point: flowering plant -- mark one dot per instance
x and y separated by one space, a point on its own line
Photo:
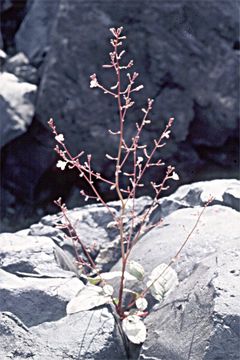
98 289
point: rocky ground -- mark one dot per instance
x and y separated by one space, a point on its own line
187 53
199 320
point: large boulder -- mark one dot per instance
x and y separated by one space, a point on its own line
88 335
32 38
187 64
37 299
203 312
16 106
17 342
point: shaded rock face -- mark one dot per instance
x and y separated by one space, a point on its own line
198 320
12 13
33 35
191 76
187 56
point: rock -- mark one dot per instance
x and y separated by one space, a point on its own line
36 299
12 14
27 172
91 223
33 36
202 313
187 64
183 59
19 66
199 319
87 335
16 106
22 254
17 342
225 192
3 55
232 197
90 335
205 242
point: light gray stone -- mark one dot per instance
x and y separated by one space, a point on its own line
17 342
19 65
87 335
29 255
225 192
203 312
36 300
16 107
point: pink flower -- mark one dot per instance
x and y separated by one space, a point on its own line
93 82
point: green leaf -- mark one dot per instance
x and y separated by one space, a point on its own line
93 280
88 298
162 281
136 270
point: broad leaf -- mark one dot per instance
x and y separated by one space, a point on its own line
88 298
136 270
134 329
162 281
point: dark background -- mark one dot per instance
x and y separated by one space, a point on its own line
187 54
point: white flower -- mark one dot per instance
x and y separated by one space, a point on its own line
108 290
59 138
134 328
175 176
93 82
167 134
139 159
61 164
141 304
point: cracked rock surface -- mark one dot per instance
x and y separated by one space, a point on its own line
199 320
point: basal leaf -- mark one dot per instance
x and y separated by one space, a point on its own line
88 298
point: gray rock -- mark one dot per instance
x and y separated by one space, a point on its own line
198 320
26 179
188 65
36 300
6 5
16 107
33 36
225 192
208 240
91 223
17 342
3 55
29 255
19 66
203 313
87 335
